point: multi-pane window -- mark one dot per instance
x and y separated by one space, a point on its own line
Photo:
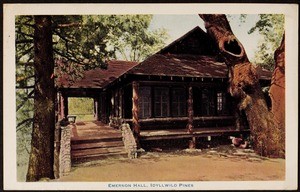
221 103
161 102
208 104
144 102
178 102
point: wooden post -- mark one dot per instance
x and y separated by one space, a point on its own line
65 107
58 99
192 143
135 110
96 108
190 110
121 112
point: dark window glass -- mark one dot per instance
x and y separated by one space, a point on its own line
116 104
144 102
197 101
222 103
179 102
208 104
161 102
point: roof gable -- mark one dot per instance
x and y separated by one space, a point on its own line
195 42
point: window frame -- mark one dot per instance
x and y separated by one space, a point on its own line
176 105
142 102
161 102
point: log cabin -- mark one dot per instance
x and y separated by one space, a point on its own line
178 92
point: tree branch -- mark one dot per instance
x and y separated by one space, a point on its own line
218 28
24 41
25 87
26 51
25 100
66 25
23 122
24 34
69 58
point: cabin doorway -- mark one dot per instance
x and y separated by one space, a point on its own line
83 108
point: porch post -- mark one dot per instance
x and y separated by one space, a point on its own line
135 109
58 98
64 106
190 110
96 108
192 143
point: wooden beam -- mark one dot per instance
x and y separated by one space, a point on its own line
63 106
192 142
96 108
121 107
190 110
66 106
58 98
135 110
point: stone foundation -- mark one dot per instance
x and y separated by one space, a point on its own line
65 151
129 141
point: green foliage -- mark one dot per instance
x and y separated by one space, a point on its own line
24 90
83 108
271 28
130 38
81 105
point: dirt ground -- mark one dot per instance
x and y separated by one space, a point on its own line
224 163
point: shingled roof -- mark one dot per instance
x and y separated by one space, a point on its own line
185 66
180 65
98 78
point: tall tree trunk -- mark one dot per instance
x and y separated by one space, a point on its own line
277 89
42 144
245 88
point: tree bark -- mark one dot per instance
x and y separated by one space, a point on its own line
245 88
277 89
42 144
135 112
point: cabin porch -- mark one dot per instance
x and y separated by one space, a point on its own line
146 135
91 140
94 139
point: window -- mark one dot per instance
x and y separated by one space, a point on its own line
208 104
161 102
178 102
197 101
145 102
221 103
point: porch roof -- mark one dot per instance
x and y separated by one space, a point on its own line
186 66
98 78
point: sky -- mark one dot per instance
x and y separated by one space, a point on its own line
178 25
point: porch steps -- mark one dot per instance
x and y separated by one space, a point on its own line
97 147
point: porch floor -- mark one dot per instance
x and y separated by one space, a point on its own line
90 130
93 140
182 133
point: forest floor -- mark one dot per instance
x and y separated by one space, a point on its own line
222 163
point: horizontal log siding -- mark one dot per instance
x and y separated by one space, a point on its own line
181 122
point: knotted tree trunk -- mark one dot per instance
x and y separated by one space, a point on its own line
267 134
